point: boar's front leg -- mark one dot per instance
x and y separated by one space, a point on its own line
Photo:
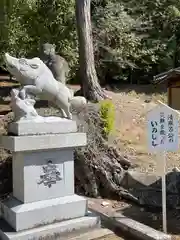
29 89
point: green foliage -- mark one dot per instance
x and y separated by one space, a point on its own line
107 114
120 50
159 29
136 38
116 46
132 39
34 22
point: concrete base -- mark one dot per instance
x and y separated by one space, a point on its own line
34 179
30 215
43 142
50 232
42 125
91 234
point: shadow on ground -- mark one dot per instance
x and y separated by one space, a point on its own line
153 218
150 198
147 89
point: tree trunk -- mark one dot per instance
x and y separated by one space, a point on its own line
4 22
89 81
100 168
177 51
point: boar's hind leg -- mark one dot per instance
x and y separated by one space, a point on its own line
66 111
63 113
64 108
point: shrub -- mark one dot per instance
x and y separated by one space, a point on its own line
116 46
107 114
27 24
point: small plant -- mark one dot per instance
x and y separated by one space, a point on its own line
107 114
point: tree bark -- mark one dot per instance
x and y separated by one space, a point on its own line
89 81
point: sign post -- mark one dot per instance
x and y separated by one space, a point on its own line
164 214
163 137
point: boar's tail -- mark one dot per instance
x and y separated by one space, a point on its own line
78 103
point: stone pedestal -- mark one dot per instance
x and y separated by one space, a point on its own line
43 179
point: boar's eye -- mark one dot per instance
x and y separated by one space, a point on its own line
22 61
34 66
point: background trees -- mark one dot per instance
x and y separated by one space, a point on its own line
132 40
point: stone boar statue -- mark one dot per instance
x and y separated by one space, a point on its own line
37 79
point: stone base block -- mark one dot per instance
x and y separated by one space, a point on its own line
34 179
30 215
42 125
53 231
42 142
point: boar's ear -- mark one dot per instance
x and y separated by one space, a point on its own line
34 66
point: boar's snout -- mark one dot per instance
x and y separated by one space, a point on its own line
10 61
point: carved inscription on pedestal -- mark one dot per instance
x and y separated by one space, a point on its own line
51 174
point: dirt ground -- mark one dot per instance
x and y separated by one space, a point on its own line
132 106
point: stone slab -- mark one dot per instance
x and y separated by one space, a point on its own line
132 228
30 215
91 234
42 125
134 179
52 231
43 175
137 229
42 142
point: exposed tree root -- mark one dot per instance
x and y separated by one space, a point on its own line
99 167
